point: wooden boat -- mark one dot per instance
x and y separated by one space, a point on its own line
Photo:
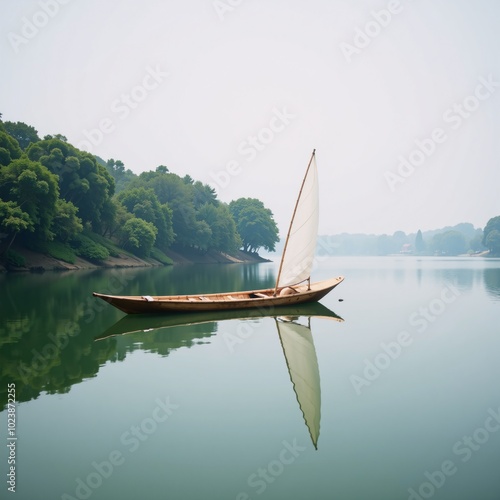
293 285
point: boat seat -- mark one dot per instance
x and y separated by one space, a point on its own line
205 299
263 295
148 298
230 297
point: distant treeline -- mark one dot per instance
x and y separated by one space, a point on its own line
456 240
64 202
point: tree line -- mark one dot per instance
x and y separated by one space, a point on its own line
460 239
59 200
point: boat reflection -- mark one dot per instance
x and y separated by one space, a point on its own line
147 322
294 331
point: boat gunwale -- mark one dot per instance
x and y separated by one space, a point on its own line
244 295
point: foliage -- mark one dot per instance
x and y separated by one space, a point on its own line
255 224
15 259
117 170
82 180
491 241
50 191
113 249
449 243
139 235
24 134
223 234
476 243
13 219
35 189
170 189
89 249
9 149
194 223
67 225
56 249
420 245
143 204
158 255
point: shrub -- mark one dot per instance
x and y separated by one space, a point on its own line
57 250
89 249
15 259
158 255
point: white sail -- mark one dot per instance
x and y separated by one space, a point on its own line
300 355
300 246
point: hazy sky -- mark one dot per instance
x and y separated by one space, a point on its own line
400 98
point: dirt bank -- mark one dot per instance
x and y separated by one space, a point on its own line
40 262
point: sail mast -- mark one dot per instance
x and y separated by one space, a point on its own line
291 222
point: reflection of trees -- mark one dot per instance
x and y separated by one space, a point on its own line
48 329
464 278
197 278
46 343
164 340
49 322
492 282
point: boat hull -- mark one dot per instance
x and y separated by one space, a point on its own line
252 299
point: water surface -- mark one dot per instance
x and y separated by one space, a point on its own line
409 405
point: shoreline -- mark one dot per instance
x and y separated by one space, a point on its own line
38 262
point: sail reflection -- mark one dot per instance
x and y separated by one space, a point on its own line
140 332
300 355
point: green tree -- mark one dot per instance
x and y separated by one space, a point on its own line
492 225
66 224
450 243
223 234
9 149
82 180
476 243
170 189
24 134
143 203
255 224
203 194
116 169
13 221
115 216
420 245
139 236
34 189
493 241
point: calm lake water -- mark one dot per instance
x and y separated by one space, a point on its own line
398 389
